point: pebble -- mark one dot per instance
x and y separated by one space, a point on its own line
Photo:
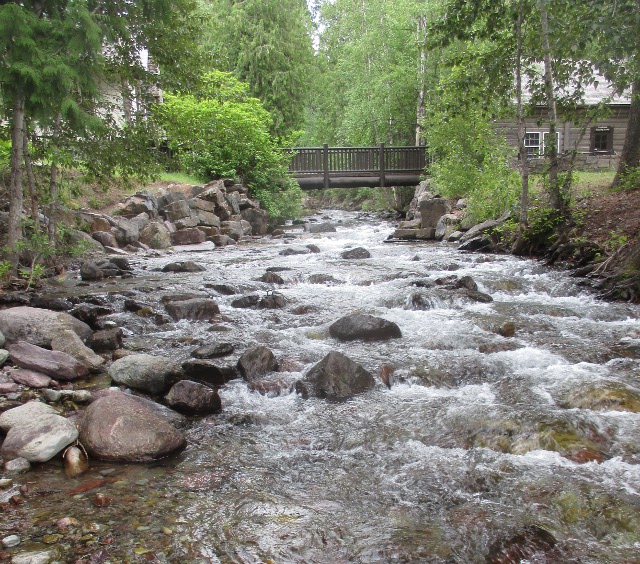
5 483
11 541
40 557
51 395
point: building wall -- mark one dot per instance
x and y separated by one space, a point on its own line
571 136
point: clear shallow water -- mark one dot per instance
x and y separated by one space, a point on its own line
482 443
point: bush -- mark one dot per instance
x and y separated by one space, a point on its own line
472 161
223 132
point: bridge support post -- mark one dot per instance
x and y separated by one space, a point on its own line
325 165
382 171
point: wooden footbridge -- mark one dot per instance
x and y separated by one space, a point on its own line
319 168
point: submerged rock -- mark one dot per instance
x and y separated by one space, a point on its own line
119 428
364 327
336 377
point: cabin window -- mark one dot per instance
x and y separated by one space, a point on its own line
532 144
602 139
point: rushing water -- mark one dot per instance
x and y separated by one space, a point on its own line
484 448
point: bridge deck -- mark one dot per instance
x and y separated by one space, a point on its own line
355 167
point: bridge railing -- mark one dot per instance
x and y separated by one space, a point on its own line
352 167
314 161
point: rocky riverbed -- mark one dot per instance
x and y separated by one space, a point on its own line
320 396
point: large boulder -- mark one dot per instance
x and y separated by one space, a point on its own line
193 398
359 326
140 202
256 362
259 220
126 231
24 413
105 238
197 309
156 236
116 427
191 236
58 364
145 372
335 377
38 326
431 210
39 439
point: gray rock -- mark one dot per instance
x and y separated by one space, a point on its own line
89 271
320 228
51 396
31 411
17 466
323 279
4 356
118 428
191 236
177 210
214 350
148 373
67 341
107 340
233 229
52 363
222 240
2 339
106 239
126 231
193 398
259 219
290 251
446 226
477 230
141 202
364 327
431 210
357 253
256 362
186 266
482 243
271 278
197 309
39 440
335 377
156 236
246 301
205 371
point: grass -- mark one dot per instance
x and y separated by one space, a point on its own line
180 177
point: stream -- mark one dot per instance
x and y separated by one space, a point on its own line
485 448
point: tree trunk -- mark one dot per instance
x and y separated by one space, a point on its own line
15 184
630 157
31 181
53 186
126 101
556 198
422 30
522 150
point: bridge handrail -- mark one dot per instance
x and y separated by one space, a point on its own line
326 160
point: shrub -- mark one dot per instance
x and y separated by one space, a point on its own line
223 132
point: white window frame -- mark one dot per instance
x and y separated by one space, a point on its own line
532 145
